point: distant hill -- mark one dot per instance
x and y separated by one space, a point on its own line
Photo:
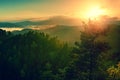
9 25
57 20
65 33
66 29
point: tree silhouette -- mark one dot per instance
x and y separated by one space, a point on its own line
85 54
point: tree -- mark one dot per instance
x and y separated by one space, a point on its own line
32 56
114 72
113 39
85 63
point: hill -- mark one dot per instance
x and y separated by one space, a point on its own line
56 20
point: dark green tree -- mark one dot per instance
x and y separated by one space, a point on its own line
32 56
85 57
113 39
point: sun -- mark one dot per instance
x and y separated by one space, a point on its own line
95 12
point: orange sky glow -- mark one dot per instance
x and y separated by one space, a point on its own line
72 8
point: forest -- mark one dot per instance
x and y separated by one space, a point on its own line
36 55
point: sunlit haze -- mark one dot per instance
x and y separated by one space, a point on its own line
95 12
21 9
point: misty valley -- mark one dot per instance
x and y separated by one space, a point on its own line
60 48
59 39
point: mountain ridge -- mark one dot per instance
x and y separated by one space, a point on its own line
56 20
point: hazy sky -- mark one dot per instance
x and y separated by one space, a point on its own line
15 9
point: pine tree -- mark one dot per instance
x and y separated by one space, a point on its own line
85 54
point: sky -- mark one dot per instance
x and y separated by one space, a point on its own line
18 9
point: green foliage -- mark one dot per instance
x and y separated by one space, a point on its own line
85 64
4 35
32 56
114 72
113 39
37 56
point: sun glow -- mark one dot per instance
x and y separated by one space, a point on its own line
95 12
93 18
